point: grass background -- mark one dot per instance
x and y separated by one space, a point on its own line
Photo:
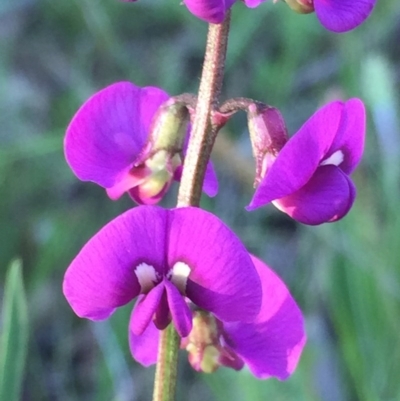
345 276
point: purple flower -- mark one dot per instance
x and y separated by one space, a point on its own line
335 15
309 179
165 258
212 11
271 345
108 142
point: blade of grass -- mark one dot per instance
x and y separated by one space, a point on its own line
14 338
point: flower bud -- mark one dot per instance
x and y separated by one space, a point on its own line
301 6
268 135
169 126
205 345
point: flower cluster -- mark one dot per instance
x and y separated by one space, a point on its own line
184 266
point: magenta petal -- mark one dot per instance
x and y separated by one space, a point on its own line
162 317
253 3
135 194
212 11
271 346
144 348
109 130
181 314
145 309
327 197
300 157
102 275
222 279
350 137
343 15
210 185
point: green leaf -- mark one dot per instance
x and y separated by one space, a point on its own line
14 336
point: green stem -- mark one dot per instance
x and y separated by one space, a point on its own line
203 133
198 153
165 380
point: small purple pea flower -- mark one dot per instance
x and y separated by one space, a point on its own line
335 15
212 11
270 346
112 141
166 258
309 177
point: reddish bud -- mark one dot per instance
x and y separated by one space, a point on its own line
206 347
268 135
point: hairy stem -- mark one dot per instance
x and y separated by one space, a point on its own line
165 380
203 133
198 153
238 103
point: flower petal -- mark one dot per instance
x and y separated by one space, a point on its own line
327 197
222 279
210 185
136 194
109 130
343 15
350 137
144 348
102 276
212 11
145 309
253 3
181 314
300 157
271 346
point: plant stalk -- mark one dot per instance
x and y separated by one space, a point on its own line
203 133
167 363
198 153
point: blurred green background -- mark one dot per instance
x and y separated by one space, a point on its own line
345 276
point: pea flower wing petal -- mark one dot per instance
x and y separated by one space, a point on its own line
210 185
350 137
327 197
145 309
271 346
180 312
144 348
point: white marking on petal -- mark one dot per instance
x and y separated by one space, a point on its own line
147 277
179 274
335 159
278 206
